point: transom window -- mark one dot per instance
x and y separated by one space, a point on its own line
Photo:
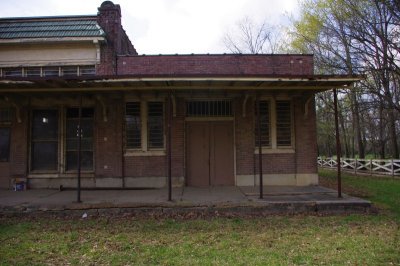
210 108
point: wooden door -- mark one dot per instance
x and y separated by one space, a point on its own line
209 154
221 154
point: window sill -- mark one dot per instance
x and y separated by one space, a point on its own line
275 151
136 153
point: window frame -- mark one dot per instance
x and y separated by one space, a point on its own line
7 160
148 127
7 124
81 70
291 123
65 139
141 126
274 148
269 102
144 149
59 140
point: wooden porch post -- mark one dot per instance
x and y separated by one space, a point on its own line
259 145
338 148
169 146
79 134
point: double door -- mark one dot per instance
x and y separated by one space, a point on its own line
209 154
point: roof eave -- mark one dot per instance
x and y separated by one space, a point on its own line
94 39
314 83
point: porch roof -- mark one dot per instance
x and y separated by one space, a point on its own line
314 83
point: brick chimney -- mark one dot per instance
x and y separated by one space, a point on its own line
118 43
109 19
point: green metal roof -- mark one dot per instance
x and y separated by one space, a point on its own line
43 28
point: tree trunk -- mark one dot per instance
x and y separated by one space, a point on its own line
393 135
344 135
381 132
357 127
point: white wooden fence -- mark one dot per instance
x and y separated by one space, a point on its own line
366 166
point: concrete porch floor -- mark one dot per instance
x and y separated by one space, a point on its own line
277 199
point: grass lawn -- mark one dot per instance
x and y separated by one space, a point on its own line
276 240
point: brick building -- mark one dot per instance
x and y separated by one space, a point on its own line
59 72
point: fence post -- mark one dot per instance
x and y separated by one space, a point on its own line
355 166
392 167
370 166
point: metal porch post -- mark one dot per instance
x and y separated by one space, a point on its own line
79 133
259 146
338 148
169 146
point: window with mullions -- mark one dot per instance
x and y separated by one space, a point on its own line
51 71
155 125
133 126
69 71
5 133
12 72
87 71
72 139
33 72
44 150
5 116
265 124
283 123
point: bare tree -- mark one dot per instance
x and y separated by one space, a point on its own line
252 38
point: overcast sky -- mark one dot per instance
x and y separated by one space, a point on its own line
166 26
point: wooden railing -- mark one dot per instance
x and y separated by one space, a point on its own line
366 166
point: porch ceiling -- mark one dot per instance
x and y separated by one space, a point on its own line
314 83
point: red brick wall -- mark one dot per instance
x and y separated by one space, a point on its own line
178 143
244 137
214 65
306 137
108 136
303 161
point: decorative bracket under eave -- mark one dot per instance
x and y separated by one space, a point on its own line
173 100
306 105
17 108
246 97
103 106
